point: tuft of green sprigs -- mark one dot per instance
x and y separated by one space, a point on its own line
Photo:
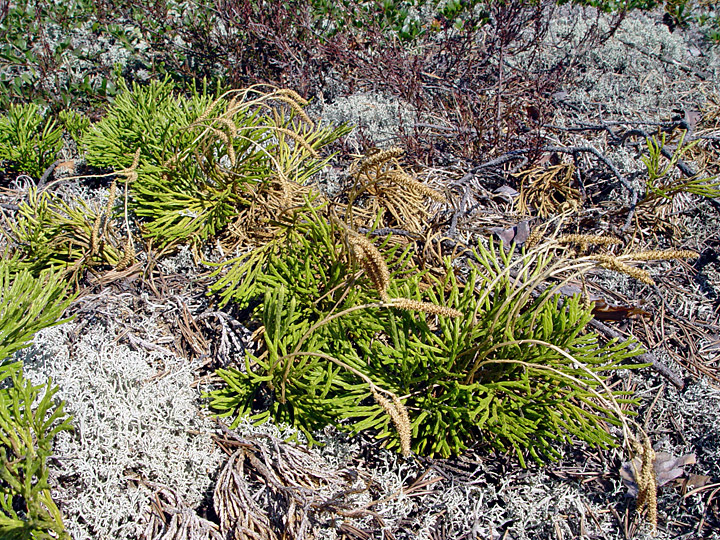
29 420
514 370
30 417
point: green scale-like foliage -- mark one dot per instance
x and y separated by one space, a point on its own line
29 140
27 304
150 118
511 397
49 232
29 420
29 416
202 158
496 373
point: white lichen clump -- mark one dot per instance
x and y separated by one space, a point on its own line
643 71
136 417
379 116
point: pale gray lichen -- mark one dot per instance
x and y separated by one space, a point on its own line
136 416
642 72
378 115
180 262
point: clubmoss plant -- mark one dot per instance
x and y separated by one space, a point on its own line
49 232
150 118
27 304
488 360
204 160
29 417
661 184
29 420
75 123
29 141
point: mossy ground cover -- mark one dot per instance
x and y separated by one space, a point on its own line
493 288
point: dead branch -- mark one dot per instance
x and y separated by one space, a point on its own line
649 358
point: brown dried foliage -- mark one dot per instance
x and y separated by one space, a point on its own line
382 187
172 519
459 78
299 488
547 191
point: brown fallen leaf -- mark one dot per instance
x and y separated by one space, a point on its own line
692 117
518 234
667 468
694 481
603 311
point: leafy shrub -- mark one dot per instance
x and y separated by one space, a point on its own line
29 141
408 19
144 39
39 68
611 6
411 19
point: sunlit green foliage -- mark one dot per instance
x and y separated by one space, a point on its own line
513 370
29 420
202 157
29 140
49 232
27 304
661 182
29 417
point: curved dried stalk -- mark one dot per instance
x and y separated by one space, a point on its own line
609 403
